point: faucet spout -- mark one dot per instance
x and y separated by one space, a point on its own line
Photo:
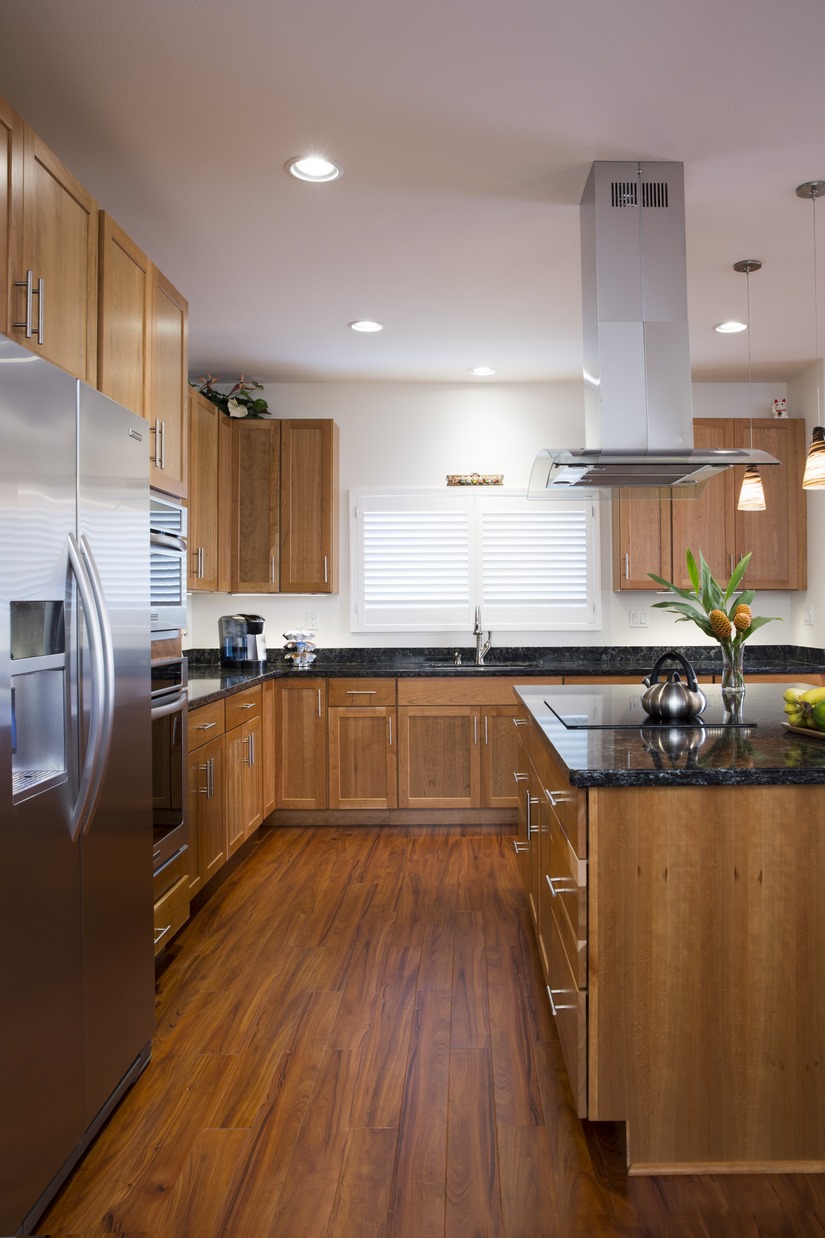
482 648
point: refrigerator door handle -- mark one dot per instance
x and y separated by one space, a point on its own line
83 808
108 669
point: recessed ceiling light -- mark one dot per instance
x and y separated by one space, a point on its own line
314 168
481 371
365 324
729 328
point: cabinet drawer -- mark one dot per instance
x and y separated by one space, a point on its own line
569 1005
171 912
206 723
342 692
243 706
475 690
568 804
564 895
170 873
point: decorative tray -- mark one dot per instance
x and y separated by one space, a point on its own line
808 732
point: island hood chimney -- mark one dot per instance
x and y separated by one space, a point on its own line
638 406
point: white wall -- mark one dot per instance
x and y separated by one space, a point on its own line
413 435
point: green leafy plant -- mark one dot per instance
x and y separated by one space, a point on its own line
240 401
720 611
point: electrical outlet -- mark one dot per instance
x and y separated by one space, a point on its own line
638 618
312 618
808 615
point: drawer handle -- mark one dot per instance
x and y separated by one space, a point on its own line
361 691
205 726
161 933
551 881
519 722
520 846
520 777
252 706
556 797
556 1008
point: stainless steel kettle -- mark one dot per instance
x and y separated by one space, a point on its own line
671 698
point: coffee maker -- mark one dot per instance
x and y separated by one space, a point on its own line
242 640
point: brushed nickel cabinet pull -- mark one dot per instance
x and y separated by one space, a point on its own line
161 933
520 846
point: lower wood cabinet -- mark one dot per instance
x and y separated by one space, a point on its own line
439 763
362 736
171 895
301 722
243 800
207 828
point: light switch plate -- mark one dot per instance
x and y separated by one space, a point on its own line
808 615
638 618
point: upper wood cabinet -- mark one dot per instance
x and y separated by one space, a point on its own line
8 120
654 536
52 254
256 471
169 388
124 335
204 426
309 506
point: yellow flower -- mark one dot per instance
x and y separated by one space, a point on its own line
721 624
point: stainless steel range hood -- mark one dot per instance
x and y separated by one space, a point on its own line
638 406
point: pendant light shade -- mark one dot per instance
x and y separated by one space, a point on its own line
814 476
752 495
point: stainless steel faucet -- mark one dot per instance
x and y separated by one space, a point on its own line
481 649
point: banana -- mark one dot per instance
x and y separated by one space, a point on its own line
813 695
796 719
793 694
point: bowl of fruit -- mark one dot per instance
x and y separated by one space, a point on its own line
805 711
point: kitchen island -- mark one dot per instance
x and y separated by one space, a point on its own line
676 879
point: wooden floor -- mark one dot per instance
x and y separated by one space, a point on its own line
353 1039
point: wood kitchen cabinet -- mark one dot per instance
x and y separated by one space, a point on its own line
169 387
124 339
362 734
301 723
207 825
309 506
255 512
243 802
439 762
52 261
269 740
8 123
498 756
202 545
654 536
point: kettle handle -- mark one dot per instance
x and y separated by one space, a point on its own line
692 681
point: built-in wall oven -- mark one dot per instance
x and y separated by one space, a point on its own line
167 563
169 716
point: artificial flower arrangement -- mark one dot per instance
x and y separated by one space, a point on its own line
240 401
720 612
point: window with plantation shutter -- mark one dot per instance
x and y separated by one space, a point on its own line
424 560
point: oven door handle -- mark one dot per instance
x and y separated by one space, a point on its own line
168 541
165 708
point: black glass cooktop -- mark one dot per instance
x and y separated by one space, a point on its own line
587 710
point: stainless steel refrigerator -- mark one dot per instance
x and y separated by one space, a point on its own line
76 955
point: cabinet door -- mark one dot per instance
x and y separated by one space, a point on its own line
225 520
170 389
439 762
777 536
641 537
212 845
202 545
301 728
309 506
198 787
243 799
256 467
253 781
9 133
124 319
362 764
499 756
706 523
58 244
269 756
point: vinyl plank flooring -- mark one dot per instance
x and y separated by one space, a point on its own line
354 1039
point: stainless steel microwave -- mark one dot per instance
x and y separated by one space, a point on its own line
167 563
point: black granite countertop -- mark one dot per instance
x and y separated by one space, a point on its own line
208 681
652 754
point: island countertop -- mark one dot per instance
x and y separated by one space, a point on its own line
653 754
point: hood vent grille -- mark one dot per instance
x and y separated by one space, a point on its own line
626 193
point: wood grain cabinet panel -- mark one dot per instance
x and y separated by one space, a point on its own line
170 389
207 825
204 494
309 506
778 536
10 125
302 743
124 344
498 756
362 757
439 761
269 742
256 471
54 239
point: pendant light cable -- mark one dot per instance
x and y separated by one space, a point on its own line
814 478
752 494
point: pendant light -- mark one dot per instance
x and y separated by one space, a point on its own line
751 496
814 477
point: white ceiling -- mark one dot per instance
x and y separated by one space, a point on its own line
466 129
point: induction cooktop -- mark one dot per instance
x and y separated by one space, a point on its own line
584 710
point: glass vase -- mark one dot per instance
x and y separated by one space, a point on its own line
733 677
